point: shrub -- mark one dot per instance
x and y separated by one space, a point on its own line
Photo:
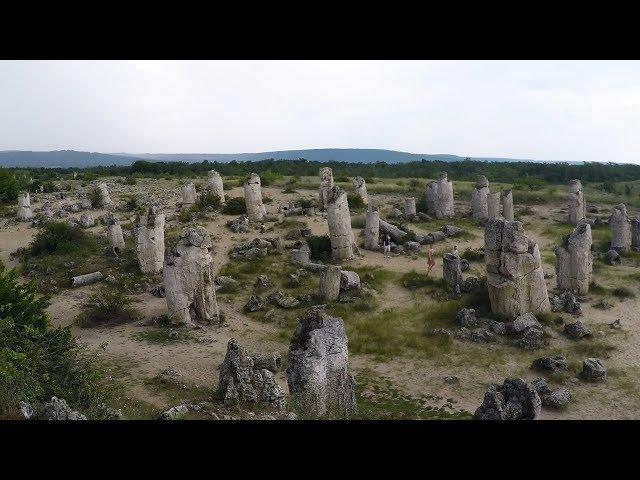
320 246
58 237
355 201
623 292
342 178
234 206
269 178
473 255
209 200
107 306
9 187
306 202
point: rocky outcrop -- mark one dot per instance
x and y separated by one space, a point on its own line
479 199
189 281
440 197
506 200
24 207
253 198
513 400
620 229
574 262
515 279
576 207
149 229
339 220
372 230
360 189
593 370
320 383
215 184
326 183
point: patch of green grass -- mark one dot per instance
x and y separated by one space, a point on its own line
592 348
234 206
413 280
374 276
623 292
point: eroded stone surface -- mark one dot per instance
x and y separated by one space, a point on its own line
339 220
576 207
620 229
24 207
326 183
574 262
150 240
506 200
253 198
372 230
440 197
479 199
513 400
215 184
360 189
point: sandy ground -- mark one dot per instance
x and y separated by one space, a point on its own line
198 361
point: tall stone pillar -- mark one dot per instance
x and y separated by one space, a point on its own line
339 221
320 383
253 198
330 283
451 270
576 208
574 262
189 195
620 229
114 233
635 234
440 197
515 279
479 199
150 240
326 183
24 207
103 191
360 189
215 184
493 206
372 230
506 199
410 207
188 279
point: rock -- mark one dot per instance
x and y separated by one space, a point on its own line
557 398
107 413
470 284
525 321
87 221
531 339
616 324
171 377
593 370
550 364
452 272
26 410
253 198
513 400
339 221
255 303
576 330
439 195
174 413
271 362
360 189
451 380
149 229
467 318
476 335
262 281
451 230
409 207
541 386
215 184
496 327
612 257
58 409
330 280
227 283
464 265
574 262
566 302
372 230
412 246
157 291
506 200
239 225
576 210
349 280
326 183
283 301
620 226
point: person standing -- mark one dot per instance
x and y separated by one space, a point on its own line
386 243
431 261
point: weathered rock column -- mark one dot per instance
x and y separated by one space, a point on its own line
114 233
440 197
189 195
320 383
410 207
506 199
451 270
215 184
515 279
188 279
620 229
150 240
326 183
576 208
635 233
372 230
103 192
479 199
253 198
493 206
574 262
339 221
24 207
330 283
360 189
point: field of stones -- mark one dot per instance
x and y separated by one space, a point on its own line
234 298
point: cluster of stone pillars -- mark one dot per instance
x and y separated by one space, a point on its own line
439 195
486 205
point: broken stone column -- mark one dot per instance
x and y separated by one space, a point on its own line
88 279
574 262
506 199
326 183
452 270
103 192
320 383
188 279
372 230
635 234
410 206
330 283
493 206
479 199
515 280
150 240
440 197
215 184
576 207
253 198
114 233
360 189
339 221
189 195
24 207
620 229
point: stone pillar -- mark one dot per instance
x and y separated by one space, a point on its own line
506 199
635 234
189 195
515 280
410 207
574 261
301 255
372 230
620 229
326 183
440 197
339 221
320 383
188 279
105 199
360 189
215 184
253 198
24 207
493 206
576 208
479 199
451 270
150 240
116 239
330 283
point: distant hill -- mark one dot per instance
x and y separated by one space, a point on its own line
72 158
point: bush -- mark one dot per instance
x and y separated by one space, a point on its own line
107 306
473 255
58 237
269 178
320 246
234 206
209 200
9 187
355 201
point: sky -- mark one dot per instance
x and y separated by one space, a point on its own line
542 110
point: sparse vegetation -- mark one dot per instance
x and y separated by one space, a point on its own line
107 306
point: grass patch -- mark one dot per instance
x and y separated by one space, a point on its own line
164 336
473 254
107 306
592 348
623 292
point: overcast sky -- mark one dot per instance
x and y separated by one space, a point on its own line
545 110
